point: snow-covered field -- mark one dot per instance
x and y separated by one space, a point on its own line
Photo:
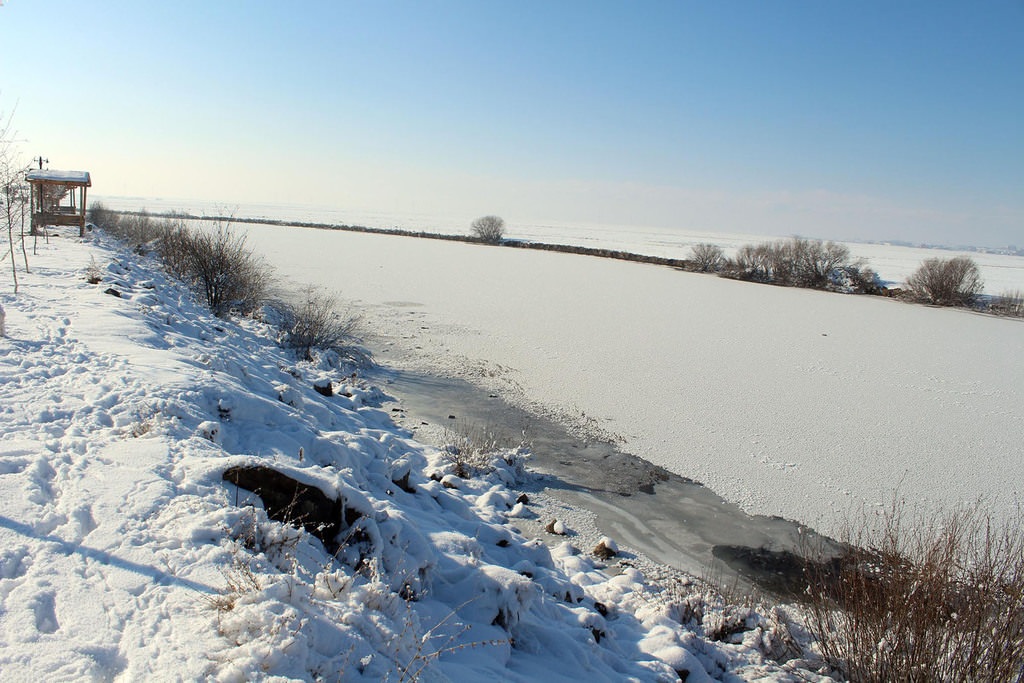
124 556
790 402
1002 273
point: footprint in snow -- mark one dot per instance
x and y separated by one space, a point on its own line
12 562
44 608
80 523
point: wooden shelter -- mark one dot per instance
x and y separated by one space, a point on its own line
54 198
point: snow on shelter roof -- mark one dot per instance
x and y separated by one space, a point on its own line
65 177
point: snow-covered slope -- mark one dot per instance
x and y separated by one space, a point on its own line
125 556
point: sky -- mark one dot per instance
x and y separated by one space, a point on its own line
866 120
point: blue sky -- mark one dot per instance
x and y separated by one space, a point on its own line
900 120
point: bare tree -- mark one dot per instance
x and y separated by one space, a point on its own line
13 192
707 258
490 229
952 282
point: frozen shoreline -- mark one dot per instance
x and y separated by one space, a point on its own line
598 490
893 262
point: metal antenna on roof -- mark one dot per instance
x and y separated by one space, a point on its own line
41 161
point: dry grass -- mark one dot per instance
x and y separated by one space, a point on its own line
937 598
1009 303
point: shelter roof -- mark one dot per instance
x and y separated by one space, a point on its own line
77 178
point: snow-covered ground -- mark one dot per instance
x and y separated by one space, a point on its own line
125 556
789 402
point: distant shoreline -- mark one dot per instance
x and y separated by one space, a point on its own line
682 264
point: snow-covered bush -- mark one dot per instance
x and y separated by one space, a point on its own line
855 278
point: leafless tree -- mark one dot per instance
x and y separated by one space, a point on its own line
946 282
490 229
707 258
13 192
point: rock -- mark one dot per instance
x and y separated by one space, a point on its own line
294 503
112 292
523 498
288 395
209 430
605 549
521 511
601 608
403 483
323 387
224 408
555 527
450 481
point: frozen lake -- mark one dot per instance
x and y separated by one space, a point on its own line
786 402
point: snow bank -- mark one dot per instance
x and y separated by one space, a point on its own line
125 556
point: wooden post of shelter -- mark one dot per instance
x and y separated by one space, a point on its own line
49 188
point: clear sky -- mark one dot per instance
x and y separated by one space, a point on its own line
866 119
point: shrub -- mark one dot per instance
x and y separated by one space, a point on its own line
707 257
1009 303
754 262
952 282
136 229
490 229
93 273
925 599
218 264
812 263
102 216
856 278
800 262
315 323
